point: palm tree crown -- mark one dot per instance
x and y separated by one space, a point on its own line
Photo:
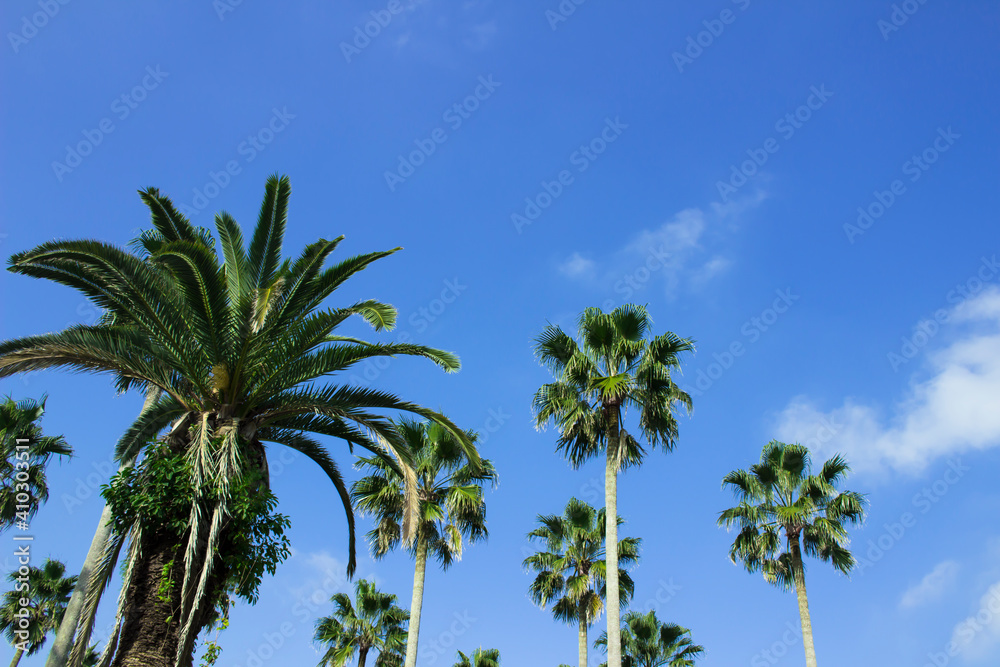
572 570
780 495
47 594
22 471
374 622
452 506
646 642
481 657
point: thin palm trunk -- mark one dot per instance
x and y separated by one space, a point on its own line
415 604
362 656
582 639
800 592
17 657
66 633
63 644
611 550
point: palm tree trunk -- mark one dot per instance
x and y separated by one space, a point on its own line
582 639
63 643
800 592
59 655
611 549
417 602
17 657
362 656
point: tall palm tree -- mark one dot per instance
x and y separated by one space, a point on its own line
780 496
22 464
646 642
481 657
572 570
452 507
613 367
237 342
374 622
46 591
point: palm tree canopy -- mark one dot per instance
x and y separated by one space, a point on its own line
239 347
481 657
372 621
780 495
449 489
47 591
613 367
22 469
571 570
646 642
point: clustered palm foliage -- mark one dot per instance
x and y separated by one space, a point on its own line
647 642
451 506
613 367
23 487
372 622
236 351
236 340
572 569
46 590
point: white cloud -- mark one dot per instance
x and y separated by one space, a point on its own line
576 266
978 634
951 411
932 586
670 253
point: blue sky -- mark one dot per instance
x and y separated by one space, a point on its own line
807 191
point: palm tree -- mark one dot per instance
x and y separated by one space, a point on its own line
646 642
46 591
24 453
373 623
612 368
236 341
480 658
781 495
451 505
572 571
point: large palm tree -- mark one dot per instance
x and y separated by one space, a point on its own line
236 341
781 498
46 591
481 657
24 454
572 569
374 622
647 642
451 509
613 367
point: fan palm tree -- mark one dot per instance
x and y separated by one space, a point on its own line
571 571
612 368
489 657
373 622
646 642
24 454
236 342
451 509
46 591
780 495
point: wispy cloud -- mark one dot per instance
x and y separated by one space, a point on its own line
951 411
686 249
932 586
979 634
